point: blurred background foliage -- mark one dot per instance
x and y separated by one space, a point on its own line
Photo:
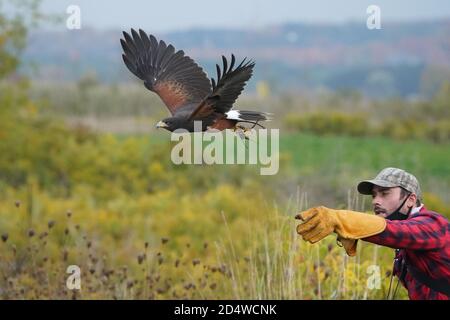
85 179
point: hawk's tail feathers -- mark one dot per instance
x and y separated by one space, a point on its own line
248 116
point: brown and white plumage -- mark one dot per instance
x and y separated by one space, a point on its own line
184 87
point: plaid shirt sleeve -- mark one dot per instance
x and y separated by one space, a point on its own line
424 231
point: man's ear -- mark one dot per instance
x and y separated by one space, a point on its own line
411 202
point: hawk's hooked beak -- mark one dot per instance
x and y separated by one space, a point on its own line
161 124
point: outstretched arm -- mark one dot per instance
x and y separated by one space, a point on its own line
350 226
425 231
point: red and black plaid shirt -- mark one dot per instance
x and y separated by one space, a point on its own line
424 238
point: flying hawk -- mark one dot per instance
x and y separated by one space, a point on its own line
184 87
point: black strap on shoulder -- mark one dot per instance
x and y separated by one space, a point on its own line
442 286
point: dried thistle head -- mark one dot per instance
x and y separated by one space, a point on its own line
4 237
330 247
141 258
31 233
43 235
189 286
161 290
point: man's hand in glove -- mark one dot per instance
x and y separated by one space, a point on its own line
319 222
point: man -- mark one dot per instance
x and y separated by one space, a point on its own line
401 221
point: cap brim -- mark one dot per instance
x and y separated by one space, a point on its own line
366 186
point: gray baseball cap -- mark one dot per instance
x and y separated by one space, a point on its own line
389 178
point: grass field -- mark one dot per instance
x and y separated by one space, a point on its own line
338 163
139 226
343 161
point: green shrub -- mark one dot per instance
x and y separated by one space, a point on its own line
339 123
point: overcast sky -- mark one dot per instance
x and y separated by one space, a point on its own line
166 15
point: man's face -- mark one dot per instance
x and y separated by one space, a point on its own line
386 200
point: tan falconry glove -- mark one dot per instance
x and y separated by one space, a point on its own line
350 226
349 245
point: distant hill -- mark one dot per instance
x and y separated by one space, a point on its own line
395 60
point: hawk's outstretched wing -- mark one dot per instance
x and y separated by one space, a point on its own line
176 78
229 86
